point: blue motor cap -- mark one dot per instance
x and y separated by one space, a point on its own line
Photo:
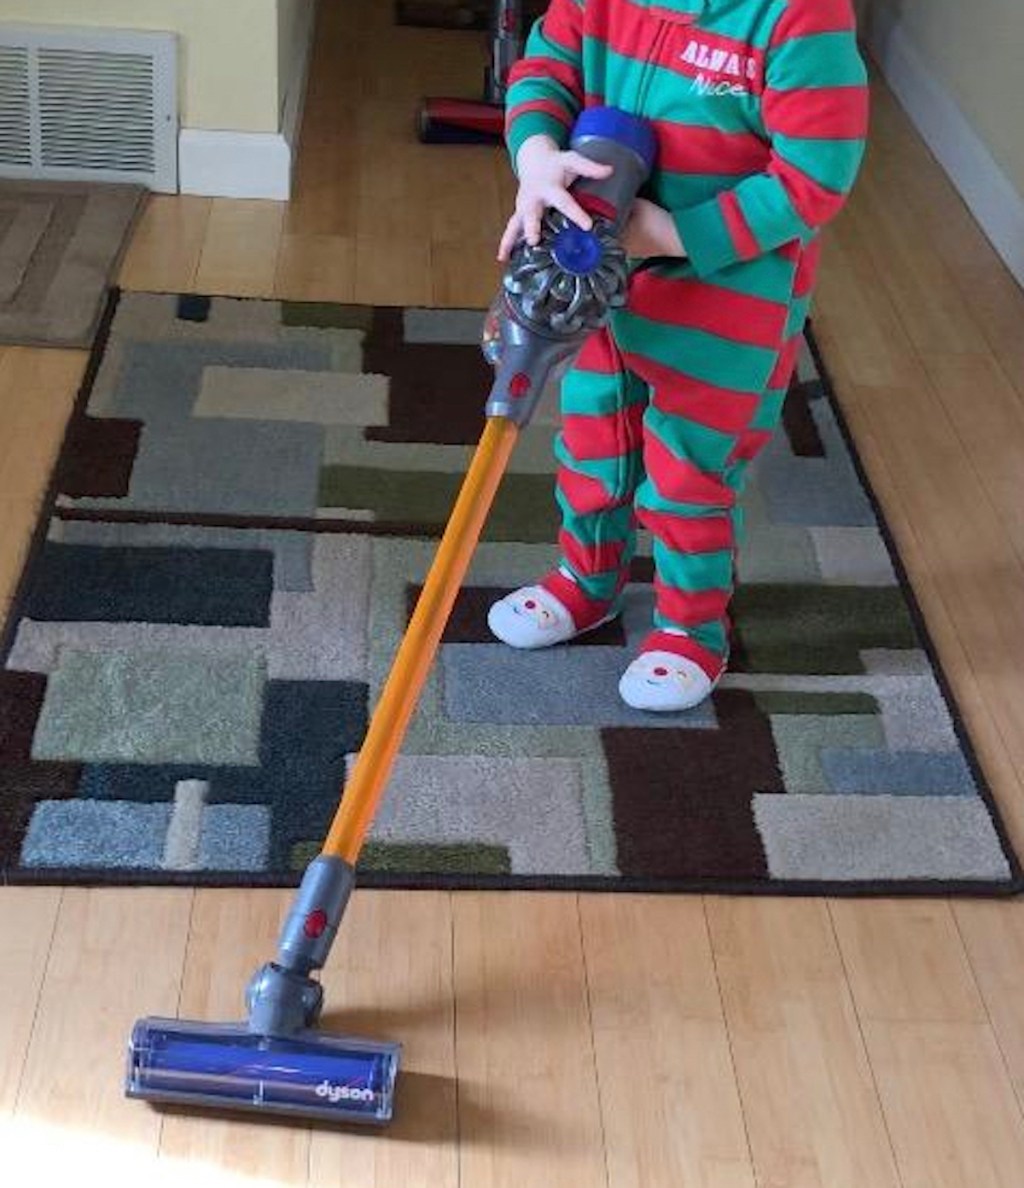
614 124
577 251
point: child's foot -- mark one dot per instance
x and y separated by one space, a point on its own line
533 617
663 681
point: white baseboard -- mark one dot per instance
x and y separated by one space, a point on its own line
234 164
250 164
990 195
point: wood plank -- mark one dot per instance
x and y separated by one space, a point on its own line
316 268
669 1100
987 415
325 186
390 977
413 63
464 276
164 251
28 916
230 936
974 266
866 343
116 955
812 1114
528 1100
464 196
239 255
392 183
948 1104
928 303
37 392
393 271
17 523
993 934
906 961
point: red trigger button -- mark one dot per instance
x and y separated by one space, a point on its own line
519 385
315 924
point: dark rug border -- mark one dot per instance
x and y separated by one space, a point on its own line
902 888
76 876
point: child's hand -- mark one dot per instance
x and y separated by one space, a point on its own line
651 231
545 174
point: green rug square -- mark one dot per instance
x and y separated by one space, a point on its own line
152 707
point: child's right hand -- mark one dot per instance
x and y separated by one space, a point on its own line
545 175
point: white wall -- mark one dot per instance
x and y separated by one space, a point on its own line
974 49
955 66
241 78
229 50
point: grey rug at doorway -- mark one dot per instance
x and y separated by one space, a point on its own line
60 244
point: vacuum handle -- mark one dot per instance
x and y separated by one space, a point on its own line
624 141
557 292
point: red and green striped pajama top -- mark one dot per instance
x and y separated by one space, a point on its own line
760 109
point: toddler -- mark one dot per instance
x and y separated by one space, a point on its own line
760 108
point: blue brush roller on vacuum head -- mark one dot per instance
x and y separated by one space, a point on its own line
554 294
231 1067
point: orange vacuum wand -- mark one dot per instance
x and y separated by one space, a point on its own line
415 656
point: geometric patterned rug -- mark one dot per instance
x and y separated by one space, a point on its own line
246 504
60 242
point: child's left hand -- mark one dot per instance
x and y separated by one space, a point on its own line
650 231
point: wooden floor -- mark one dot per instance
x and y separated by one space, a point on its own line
577 1041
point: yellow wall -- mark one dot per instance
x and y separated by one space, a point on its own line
228 66
973 49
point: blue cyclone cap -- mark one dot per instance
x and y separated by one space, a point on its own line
614 124
577 251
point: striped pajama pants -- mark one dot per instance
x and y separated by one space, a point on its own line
662 414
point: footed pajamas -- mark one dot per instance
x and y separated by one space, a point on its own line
760 109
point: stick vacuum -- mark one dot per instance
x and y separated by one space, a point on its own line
553 295
479 121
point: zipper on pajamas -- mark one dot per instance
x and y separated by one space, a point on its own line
649 65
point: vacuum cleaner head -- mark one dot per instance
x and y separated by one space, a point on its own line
229 1066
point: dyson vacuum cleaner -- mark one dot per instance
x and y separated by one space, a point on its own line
552 297
479 121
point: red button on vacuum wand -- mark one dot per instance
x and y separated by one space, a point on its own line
315 923
519 385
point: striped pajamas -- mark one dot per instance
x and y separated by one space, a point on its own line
760 108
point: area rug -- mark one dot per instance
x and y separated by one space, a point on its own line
246 505
60 244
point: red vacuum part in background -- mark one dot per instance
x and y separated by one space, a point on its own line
479 121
